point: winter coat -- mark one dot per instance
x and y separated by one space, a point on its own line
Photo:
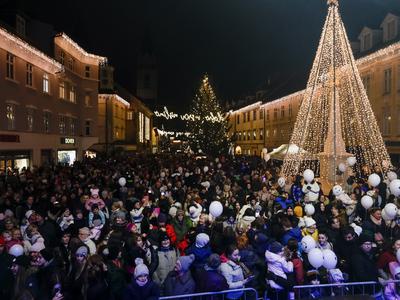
294 233
101 215
166 263
278 265
363 268
179 285
181 228
117 279
297 193
210 280
233 274
201 255
245 222
150 291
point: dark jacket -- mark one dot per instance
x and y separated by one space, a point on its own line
150 291
294 233
209 280
174 285
201 255
363 268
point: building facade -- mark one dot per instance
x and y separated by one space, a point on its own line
49 103
269 125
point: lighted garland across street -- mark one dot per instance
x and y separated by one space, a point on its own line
172 133
170 115
335 120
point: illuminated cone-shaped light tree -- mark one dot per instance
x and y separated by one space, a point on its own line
209 129
335 119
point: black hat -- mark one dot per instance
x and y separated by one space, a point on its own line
46 254
22 260
365 237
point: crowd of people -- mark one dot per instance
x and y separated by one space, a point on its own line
140 227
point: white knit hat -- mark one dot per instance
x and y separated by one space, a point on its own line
309 222
37 247
94 192
141 270
202 239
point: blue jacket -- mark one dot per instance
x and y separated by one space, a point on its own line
294 233
201 255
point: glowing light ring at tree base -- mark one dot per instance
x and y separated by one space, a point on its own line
169 115
334 78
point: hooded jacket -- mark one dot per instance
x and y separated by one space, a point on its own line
277 265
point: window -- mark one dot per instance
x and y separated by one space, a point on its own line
46 83
61 90
87 127
267 133
244 117
29 74
290 111
46 121
254 134
261 133
72 94
20 25
29 119
267 117
71 64
10 116
275 132
282 112
10 66
248 135
367 41
116 132
62 57
254 115
61 124
87 71
367 83
388 81
275 113
87 99
391 30
141 127
72 126
386 122
129 115
147 128
261 114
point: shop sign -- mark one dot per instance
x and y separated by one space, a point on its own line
67 141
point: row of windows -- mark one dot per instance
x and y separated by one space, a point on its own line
252 134
246 115
66 125
65 91
69 63
387 81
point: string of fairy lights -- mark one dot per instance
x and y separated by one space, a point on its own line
170 115
335 88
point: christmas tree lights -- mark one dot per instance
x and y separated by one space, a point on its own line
335 119
209 132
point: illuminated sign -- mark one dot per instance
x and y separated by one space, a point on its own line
69 141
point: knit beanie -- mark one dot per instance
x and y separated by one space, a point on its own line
309 222
186 262
364 237
37 247
47 254
162 218
202 240
275 247
141 270
214 261
82 250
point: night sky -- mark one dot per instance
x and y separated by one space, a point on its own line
239 43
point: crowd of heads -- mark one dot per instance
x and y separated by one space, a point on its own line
141 226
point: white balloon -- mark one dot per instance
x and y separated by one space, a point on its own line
342 167
308 243
390 210
205 169
216 209
205 184
281 181
391 175
308 175
398 255
187 174
337 190
122 181
385 216
394 187
316 258
374 180
16 250
219 166
351 161
367 201
309 209
330 259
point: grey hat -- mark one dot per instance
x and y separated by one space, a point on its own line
186 262
214 261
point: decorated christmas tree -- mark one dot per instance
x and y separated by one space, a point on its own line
209 129
335 120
